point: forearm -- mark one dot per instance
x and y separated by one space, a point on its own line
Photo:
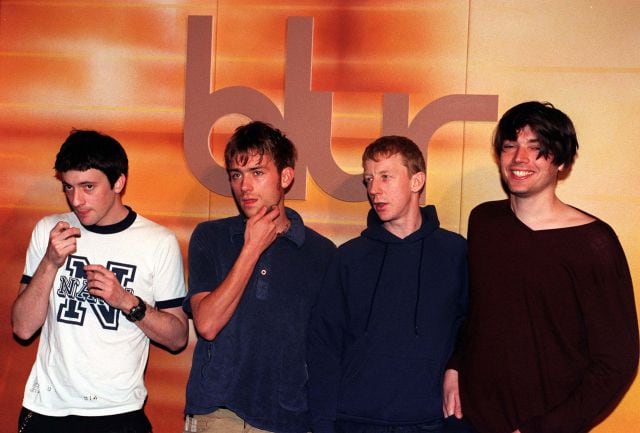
597 394
324 380
29 310
324 353
612 367
213 310
168 328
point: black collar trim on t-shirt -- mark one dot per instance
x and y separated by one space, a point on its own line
114 228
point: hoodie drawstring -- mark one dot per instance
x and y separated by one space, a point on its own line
375 289
415 311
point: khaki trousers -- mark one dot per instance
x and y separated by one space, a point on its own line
218 421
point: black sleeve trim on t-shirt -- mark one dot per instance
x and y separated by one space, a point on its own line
170 303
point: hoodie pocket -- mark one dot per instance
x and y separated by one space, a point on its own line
392 387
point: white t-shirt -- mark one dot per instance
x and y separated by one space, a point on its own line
91 359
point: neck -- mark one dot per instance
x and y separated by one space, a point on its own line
118 213
406 226
283 223
537 212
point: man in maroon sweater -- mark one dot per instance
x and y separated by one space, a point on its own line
551 342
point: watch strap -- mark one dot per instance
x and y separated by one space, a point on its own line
137 312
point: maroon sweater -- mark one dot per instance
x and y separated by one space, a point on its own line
551 343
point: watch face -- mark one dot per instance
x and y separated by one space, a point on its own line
137 312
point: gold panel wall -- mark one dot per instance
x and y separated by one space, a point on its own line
119 66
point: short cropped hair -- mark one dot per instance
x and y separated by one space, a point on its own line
389 145
260 138
86 149
555 131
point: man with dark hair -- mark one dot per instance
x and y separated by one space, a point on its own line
252 281
386 320
551 342
86 272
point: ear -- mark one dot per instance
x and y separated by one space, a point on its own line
286 177
561 167
118 186
417 181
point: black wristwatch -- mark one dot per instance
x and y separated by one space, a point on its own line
137 312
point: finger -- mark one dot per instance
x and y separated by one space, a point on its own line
95 268
447 406
67 234
61 240
64 227
273 212
60 226
93 279
458 407
257 216
96 292
94 275
71 232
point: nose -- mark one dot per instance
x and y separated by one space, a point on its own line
76 197
522 154
373 188
246 184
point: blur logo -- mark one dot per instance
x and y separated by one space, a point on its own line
307 115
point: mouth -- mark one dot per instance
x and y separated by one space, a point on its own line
521 174
248 201
379 206
82 212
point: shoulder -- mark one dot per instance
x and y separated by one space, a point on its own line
599 235
450 242
572 216
151 236
217 227
147 224
152 232
356 248
316 239
491 208
594 246
450 236
497 213
355 243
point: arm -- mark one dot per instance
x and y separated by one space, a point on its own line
452 404
30 307
213 310
606 299
169 327
166 327
324 351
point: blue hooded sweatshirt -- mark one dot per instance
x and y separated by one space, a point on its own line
384 325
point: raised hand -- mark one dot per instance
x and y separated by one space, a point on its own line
62 242
261 228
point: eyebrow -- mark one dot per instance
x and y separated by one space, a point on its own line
386 170
531 140
245 169
86 182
